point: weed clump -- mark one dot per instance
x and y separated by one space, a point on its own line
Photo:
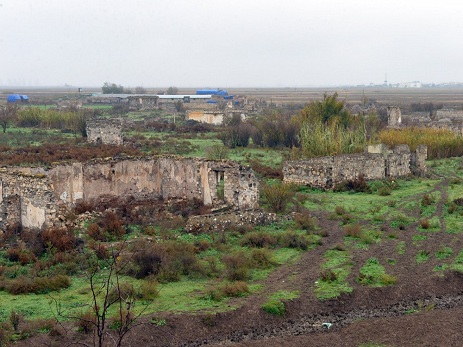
291 239
274 307
353 230
259 240
277 196
305 221
357 185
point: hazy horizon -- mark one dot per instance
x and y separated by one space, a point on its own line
244 44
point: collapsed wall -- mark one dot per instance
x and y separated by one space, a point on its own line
32 197
377 163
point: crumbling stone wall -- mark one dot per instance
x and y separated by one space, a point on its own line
105 130
33 197
26 199
143 102
221 221
449 114
166 177
377 163
394 116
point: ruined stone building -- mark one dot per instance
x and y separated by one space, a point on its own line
143 102
394 117
33 197
106 131
443 119
377 162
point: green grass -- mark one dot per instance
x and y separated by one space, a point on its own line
285 295
422 256
373 274
444 253
400 248
340 264
457 264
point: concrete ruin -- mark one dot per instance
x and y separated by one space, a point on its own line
34 197
106 131
378 162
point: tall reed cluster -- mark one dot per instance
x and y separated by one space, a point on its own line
442 143
321 139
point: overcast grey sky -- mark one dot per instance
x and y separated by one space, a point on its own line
239 43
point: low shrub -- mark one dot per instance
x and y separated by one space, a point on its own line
291 239
277 196
148 290
123 292
261 259
113 225
235 289
328 275
266 171
427 200
384 191
259 240
217 152
305 221
357 185
95 232
38 285
425 223
236 266
340 210
61 239
86 322
353 230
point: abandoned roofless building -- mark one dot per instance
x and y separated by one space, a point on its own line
33 197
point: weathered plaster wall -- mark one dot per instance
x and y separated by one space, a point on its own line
26 199
34 198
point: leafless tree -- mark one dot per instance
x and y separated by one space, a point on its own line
172 91
7 114
107 291
140 90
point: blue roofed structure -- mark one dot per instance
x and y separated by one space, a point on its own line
17 98
212 92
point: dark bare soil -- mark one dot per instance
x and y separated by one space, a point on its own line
424 308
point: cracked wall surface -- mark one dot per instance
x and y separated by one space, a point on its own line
32 197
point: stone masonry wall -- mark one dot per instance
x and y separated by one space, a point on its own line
33 197
450 114
105 131
219 222
26 199
394 116
326 172
166 177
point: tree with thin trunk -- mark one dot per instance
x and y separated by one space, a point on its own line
108 291
7 114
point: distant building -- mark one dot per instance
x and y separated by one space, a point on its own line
15 98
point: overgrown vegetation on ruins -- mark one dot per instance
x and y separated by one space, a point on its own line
358 237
